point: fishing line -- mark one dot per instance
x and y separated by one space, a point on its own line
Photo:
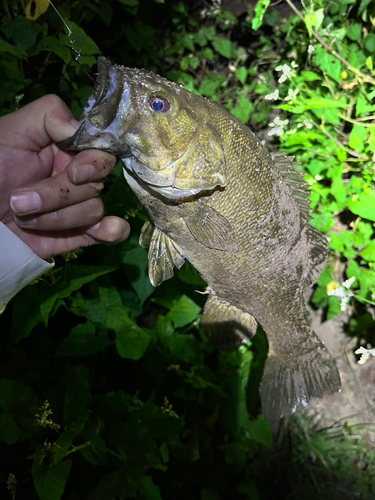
72 41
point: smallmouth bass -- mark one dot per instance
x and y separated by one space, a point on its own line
217 197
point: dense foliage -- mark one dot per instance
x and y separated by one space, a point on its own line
108 388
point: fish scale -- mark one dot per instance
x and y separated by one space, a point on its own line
217 197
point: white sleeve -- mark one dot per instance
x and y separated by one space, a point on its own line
19 265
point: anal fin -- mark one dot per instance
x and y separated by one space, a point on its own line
226 326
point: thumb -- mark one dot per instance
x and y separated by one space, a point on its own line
43 121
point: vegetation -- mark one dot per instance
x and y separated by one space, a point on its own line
108 388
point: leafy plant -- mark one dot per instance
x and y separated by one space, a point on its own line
110 385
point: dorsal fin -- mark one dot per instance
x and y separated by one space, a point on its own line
294 180
318 245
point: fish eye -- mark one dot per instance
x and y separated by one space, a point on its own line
159 104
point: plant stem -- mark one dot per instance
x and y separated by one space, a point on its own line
338 143
77 448
365 78
356 122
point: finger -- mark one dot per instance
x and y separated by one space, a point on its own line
82 214
51 194
90 165
110 230
46 244
42 121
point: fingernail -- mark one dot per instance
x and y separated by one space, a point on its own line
25 222
75 123
96 226
83 173
25 202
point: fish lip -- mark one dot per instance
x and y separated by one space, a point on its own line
100 89
101 134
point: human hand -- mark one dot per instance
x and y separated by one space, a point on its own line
49 197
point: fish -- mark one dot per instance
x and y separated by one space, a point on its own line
239 214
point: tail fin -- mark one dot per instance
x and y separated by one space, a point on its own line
290 380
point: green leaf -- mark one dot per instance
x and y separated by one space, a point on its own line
364 206
12 49
130 3
52 44
314 20
323 221
26 314
241 74
224 47
337 188
64 442
83 44
77 395
210 84
207 53
334 307
150 490
110 485
21 31
368 253
328 63
357 138
325 277
135 262
184 311
108 311
132 343
243 109
68 280
335 243
260 431
260 9
369 42
50 484
186 349
354 32
10 432
83 341
309 76
187 41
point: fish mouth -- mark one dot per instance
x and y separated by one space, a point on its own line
100 117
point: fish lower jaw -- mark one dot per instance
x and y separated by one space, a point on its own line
168 191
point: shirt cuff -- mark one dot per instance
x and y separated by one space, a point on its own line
19 265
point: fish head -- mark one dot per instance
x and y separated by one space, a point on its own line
163 134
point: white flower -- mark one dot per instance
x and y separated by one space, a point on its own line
292 94
310 49
365 354
344 293
286 72
273 97
294 64
348 283
277 126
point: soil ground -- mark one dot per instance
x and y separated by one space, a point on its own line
355 402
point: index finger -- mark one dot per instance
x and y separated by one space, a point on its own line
90 165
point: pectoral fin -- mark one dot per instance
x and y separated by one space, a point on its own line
146 234
226 326
209 227
163 254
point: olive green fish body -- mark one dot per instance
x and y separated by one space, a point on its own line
218 198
